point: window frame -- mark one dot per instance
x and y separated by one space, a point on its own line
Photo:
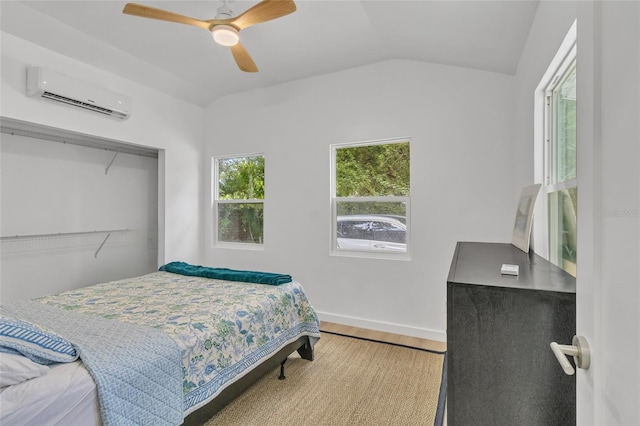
545 150
550 124
334 200
216 201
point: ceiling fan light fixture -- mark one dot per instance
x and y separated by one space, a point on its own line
225 35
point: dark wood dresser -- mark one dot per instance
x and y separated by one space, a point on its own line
501 370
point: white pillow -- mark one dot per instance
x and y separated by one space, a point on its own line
16 368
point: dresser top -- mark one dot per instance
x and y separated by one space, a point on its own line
480 263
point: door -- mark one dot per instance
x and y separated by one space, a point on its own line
608 280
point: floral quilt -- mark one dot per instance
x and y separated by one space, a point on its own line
223 328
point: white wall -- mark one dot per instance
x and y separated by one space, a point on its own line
460 123
158 120
52 188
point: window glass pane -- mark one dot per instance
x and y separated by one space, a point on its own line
565 128
563 207
371 226
240 222
373 170
241 178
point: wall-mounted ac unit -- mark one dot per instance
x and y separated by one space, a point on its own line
48 84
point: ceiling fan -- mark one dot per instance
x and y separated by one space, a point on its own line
224 27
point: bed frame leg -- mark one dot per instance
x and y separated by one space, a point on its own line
282 376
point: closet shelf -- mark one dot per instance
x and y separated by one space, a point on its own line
25 237
62 235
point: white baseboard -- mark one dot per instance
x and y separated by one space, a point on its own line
404 330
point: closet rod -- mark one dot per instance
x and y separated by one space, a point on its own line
58 235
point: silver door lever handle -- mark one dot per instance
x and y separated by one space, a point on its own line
579 350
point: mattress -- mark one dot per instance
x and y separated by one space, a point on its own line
224 329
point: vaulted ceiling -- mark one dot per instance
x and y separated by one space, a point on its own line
319 37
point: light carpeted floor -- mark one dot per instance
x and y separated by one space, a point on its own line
350 382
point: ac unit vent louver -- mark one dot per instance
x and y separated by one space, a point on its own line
47 84
80 104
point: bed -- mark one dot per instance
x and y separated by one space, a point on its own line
168 347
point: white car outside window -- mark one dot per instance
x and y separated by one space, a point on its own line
371 233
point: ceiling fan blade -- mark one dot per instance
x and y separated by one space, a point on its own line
243 59
264 11
162 15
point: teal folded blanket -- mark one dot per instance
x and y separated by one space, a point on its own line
269 278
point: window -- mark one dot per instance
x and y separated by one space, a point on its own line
238 206
560 187
370 199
